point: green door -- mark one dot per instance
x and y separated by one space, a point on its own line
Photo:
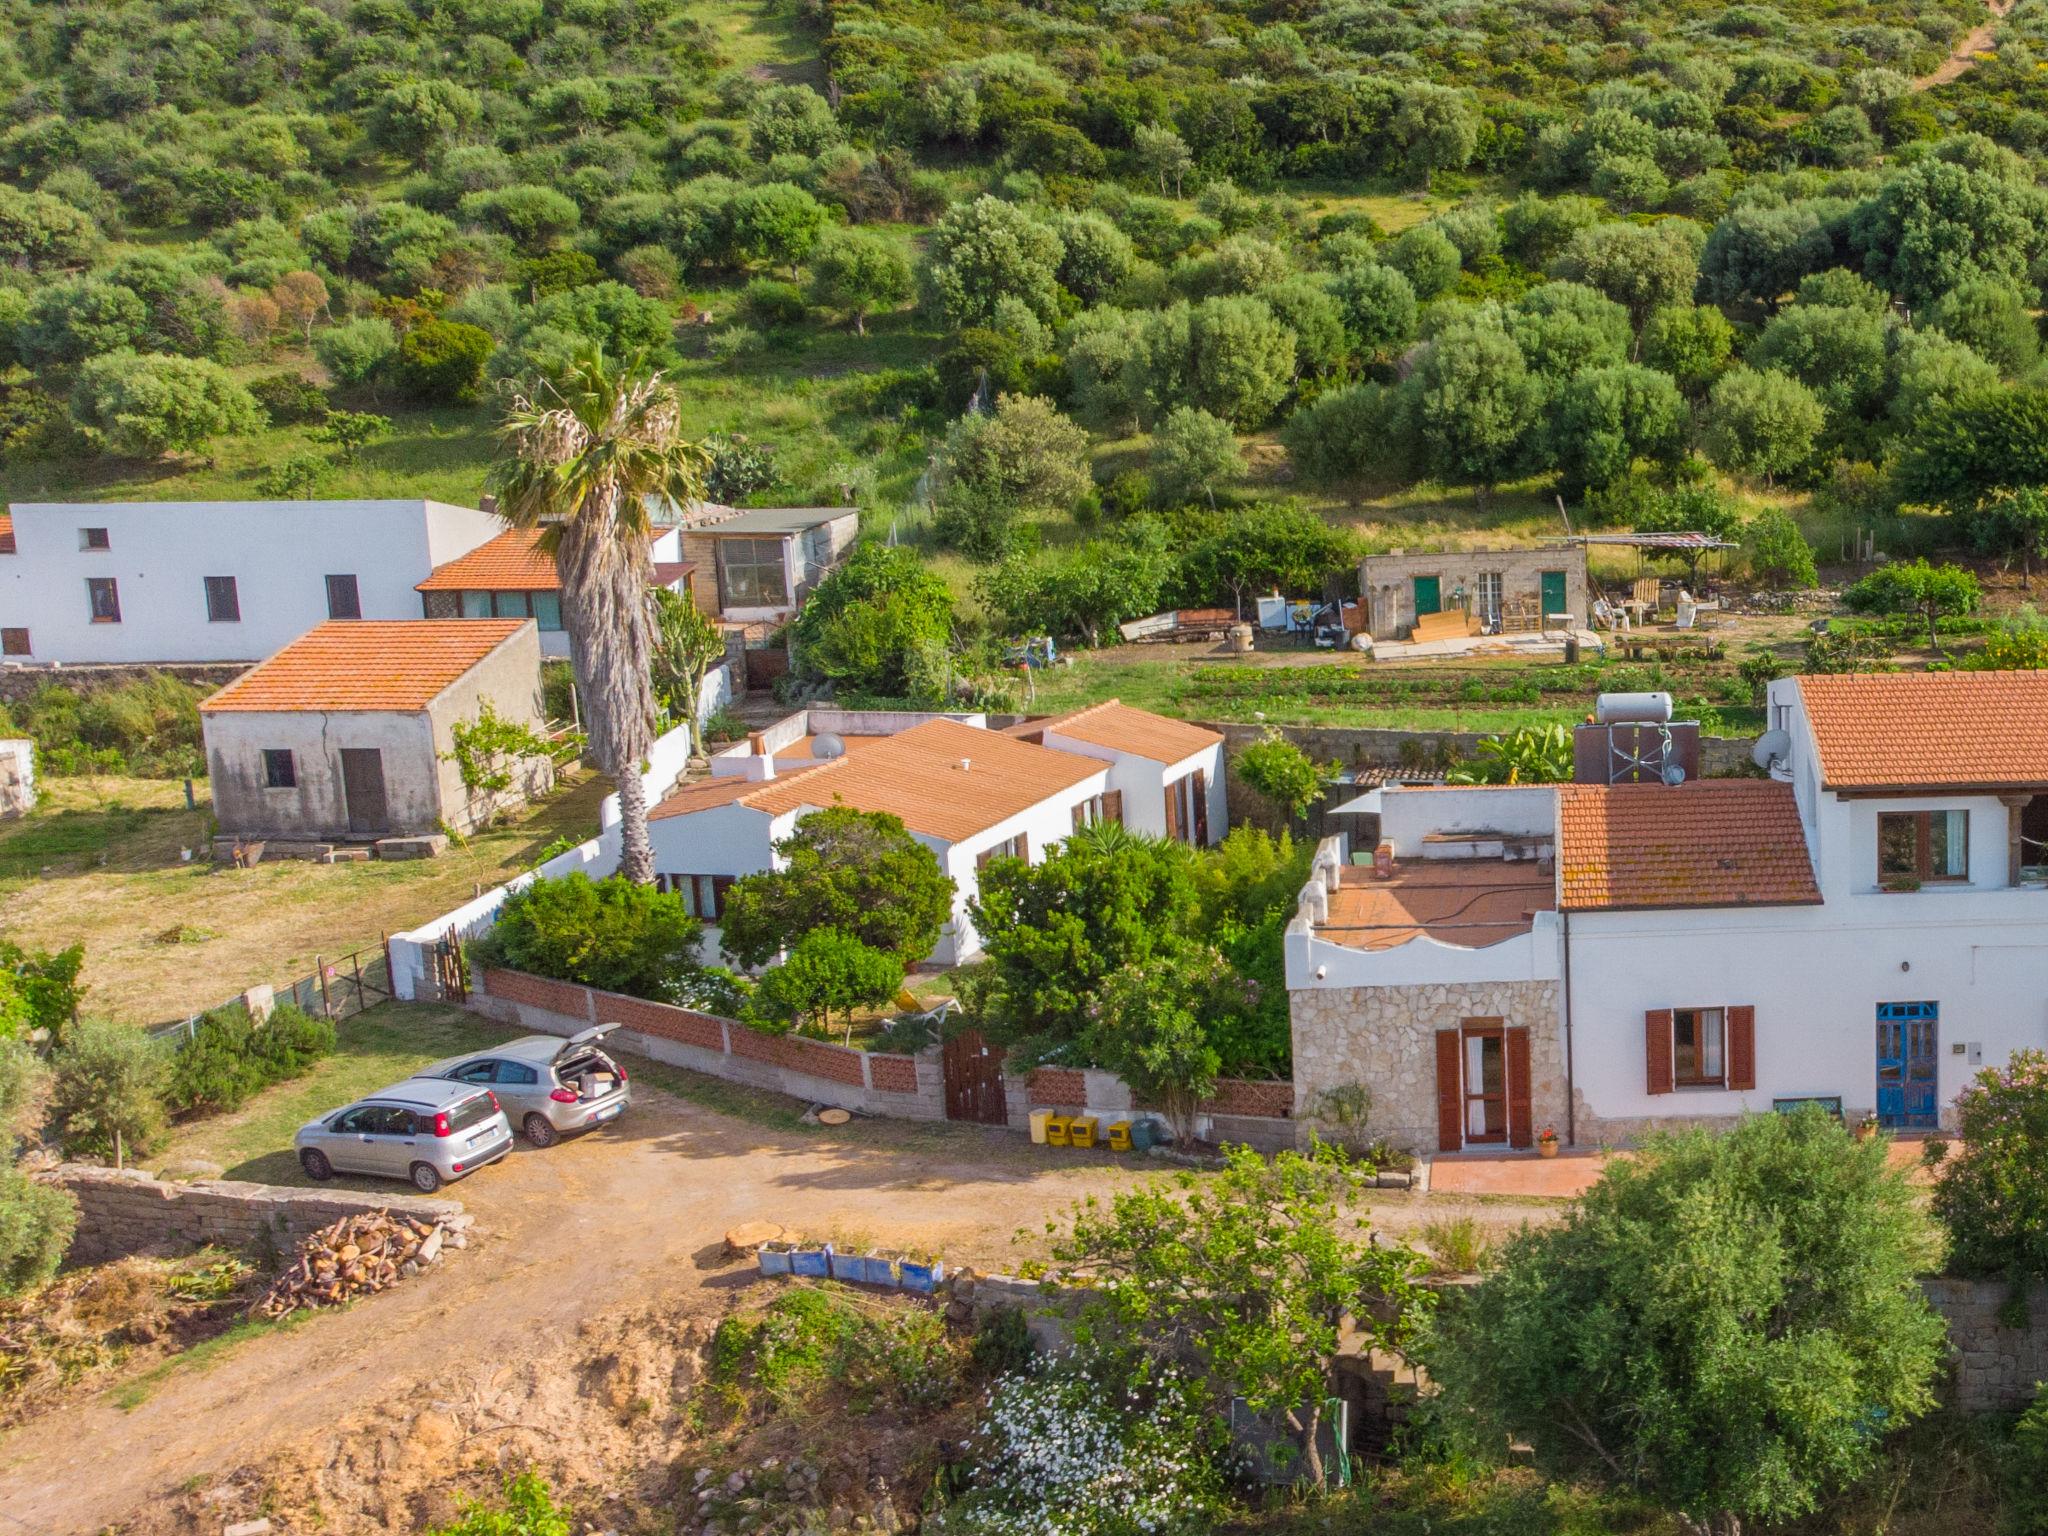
1553 593
1429 595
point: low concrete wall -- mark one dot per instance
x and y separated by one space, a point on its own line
1259 1114
1996 1367
129 1211
902 1087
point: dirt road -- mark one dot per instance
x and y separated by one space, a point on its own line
1963 56
628 1216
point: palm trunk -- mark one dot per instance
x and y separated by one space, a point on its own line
636 850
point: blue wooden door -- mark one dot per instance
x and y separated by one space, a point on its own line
1907 1035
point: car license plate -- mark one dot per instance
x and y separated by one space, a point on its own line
611 1112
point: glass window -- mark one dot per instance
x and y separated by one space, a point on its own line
1488 601
280 769
1948 845
343 600
750 573
703 895
475 1072
93 538
1698 1037
223 602
354 1120
547 608
476 605
516 1074
14 642
103 599
1922 845
472 1112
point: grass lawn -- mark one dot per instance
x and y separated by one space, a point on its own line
100 862
375 1049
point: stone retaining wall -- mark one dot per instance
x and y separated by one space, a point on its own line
1996 1367
128 1212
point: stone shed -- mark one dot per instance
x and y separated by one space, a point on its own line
1513 589
347 734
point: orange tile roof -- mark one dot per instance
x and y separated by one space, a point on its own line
916 774
1932 730
6 533
512 562
359 664
1467 902
1118 725
1711 843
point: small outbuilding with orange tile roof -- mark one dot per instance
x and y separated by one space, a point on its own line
348 733
1166 773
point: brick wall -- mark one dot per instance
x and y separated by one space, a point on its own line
1264 1100
563 997
128 1212
903 1086
1058 1088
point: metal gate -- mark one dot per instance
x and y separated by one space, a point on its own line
1907 1037
974 1080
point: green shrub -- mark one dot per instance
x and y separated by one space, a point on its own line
1993 1190
441 362
229 1057
288 398
610 933
528 1509
772 302
36 1221
2026 1499
107 1087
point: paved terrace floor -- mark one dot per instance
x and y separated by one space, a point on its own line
1528 1175
1467 902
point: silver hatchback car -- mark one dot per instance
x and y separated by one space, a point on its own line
549 1086
425 1130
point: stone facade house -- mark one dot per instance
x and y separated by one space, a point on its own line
1512 589
1866 928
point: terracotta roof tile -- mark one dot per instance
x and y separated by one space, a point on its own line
1907 730
918 775
1118 725
6 534
512 562
1712 843
375 664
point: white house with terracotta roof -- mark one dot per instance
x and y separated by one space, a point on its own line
507 577
346 734
1867 927
213 581
1166 775
967 792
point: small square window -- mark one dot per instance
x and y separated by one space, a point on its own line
94 538
14 642
223 601
1697 1041
280 769
343 600
103 599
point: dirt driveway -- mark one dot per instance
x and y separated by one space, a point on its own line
632 1214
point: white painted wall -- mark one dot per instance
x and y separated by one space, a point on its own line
1407 814
160 553
1142 782
1043 825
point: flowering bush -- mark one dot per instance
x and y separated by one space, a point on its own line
1993 1192
1062 1452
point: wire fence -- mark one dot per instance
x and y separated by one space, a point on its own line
335 989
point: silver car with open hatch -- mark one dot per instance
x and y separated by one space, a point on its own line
549 1086
424 1129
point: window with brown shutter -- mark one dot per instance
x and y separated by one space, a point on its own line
1450 1095
1173 811
1113 805
1742 1047
1520 1132
1199 782
1657 1049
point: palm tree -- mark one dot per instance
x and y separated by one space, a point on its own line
583 453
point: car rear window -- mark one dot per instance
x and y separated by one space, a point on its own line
473 1111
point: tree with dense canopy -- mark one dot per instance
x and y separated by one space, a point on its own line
857 872
584 458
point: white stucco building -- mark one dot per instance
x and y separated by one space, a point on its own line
1868 927
966 792
210 581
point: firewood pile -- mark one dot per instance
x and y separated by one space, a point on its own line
355 1256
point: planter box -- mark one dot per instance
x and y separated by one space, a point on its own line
774 1258
924 1279
811 1263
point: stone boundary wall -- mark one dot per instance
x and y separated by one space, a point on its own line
901 1087
128 1211
90 677
1996 1367
873 1082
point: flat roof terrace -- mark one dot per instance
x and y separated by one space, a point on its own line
1467 902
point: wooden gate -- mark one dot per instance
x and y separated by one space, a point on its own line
447 978
974 1080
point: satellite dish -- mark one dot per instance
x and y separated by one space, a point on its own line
1673 774
827 745
1771 750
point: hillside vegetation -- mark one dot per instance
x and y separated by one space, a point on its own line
1200 276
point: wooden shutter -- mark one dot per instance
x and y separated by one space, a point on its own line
1450 1094
1023 841
1080 814
1516 1045
1742 1047
1173 811
1113 805
1657 1048
720 884
981 859
1200 781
